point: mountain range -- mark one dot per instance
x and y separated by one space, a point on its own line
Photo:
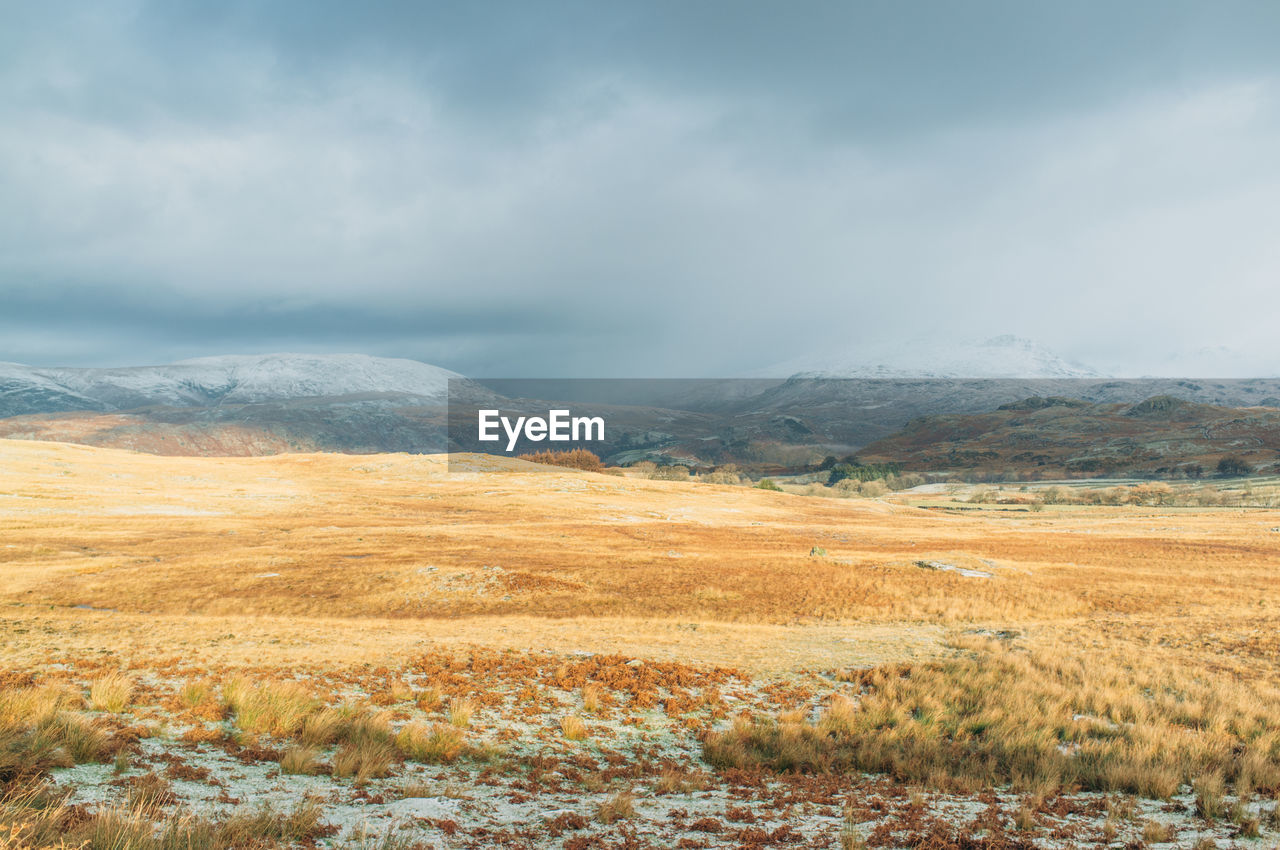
1162 436
263 404
211 381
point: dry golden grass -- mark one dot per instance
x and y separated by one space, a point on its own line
1038 720
460 711
300 761
436 743
271 708
591 698
341 536
618 807
572 727
111 692
1142 640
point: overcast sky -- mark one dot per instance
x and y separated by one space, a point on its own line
647 188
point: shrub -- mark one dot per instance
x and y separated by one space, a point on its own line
1233 467
768 484
861 471
572 458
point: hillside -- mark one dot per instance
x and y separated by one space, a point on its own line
271 404
1064 437
211 381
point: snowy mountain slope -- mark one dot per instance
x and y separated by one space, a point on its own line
24 390
1004 356
211 381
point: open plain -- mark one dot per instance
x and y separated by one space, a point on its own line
336 650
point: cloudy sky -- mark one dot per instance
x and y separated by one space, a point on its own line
647 188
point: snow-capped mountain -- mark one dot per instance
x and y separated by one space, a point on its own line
1004 356
210 381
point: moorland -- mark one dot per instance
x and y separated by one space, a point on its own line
336 650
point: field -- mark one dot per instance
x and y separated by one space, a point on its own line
341 650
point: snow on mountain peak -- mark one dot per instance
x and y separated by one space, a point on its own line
268 377
233 379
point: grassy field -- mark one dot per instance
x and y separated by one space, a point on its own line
372 651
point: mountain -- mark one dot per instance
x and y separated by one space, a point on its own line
1004 356
210 381
250 405
237 405
1056 437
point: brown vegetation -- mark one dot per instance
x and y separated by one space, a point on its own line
571 458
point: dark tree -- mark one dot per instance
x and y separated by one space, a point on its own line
1233 467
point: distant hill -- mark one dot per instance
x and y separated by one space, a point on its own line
207 381
1052 437
266 404
236 405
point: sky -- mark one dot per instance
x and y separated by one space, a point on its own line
640 189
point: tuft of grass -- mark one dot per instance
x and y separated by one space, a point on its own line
430 699
672 781
572 727
388 840
1209 791
323 728
304 823
363 759
1155 832
39 731
368 726
1025 817
80 736
269 708
112 692
851 837
300 761
437 743
591 698
195 693
35 705
149 793
616 808
460 711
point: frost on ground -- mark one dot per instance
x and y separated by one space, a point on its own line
540 750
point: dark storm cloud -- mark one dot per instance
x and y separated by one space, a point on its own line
73 310
640 188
